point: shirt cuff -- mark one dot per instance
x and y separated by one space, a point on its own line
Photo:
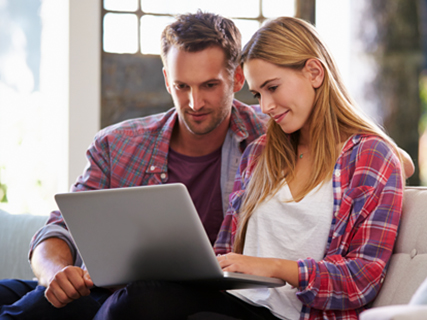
54 231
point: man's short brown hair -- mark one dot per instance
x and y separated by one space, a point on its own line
196 32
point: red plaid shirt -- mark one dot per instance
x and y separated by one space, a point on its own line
135 153
368 191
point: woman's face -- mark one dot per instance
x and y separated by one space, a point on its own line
286 95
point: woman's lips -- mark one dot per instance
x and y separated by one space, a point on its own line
280 117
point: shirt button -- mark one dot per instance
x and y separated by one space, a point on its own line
163 176
152 168
337 173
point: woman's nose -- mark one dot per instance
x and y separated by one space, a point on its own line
267 105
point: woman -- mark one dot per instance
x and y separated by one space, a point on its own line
321 192
316 202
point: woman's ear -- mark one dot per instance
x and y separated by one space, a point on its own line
314 70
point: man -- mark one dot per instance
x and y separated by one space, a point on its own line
198 143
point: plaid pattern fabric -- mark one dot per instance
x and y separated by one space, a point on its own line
368 192
135 153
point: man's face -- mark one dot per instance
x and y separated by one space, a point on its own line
201 87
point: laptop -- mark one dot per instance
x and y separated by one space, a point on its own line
146 233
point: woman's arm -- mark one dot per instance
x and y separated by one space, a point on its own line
364 231
286 270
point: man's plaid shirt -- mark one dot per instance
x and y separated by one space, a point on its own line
135 153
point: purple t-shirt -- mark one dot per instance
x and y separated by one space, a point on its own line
201 176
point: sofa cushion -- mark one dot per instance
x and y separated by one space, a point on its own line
408 265
420 296
395 313
16 232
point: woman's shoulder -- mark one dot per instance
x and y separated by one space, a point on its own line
370 149
374 143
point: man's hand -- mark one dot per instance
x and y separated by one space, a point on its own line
52 264
67 285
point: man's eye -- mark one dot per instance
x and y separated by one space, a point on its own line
210 85
180 86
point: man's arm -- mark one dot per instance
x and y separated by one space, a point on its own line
52 263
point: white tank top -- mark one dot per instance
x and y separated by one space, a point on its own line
292 231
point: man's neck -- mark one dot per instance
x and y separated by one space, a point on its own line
190 144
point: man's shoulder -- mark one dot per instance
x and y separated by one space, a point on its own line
251 111
247 122
256 147
149 125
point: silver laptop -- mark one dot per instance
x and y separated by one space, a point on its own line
146 233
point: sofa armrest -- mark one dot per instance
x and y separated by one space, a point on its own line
397 312
16 232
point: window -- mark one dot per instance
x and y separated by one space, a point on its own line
132 26
33 103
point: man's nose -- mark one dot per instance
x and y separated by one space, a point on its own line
196 100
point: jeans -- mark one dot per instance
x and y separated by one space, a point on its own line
166 300
22 299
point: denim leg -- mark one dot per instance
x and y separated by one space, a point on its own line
12 290
172 301
33 305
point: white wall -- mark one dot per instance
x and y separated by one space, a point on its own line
84 81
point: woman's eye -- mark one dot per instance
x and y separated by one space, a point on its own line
272 89
256 95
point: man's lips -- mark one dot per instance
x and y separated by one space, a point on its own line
198 116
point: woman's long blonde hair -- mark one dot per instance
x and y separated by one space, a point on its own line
289 42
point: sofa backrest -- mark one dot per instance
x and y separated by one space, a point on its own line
408 265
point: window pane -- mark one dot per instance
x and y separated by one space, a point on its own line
121 5
247 29
227 8
278 8
120 33
151 31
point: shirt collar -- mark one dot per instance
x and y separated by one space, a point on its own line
158 161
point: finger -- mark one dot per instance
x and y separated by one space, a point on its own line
230 268
56 295
68 284
52 299
76 286
221 258
88 280
224 263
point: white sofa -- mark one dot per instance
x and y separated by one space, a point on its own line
16 232
408 265
407 270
